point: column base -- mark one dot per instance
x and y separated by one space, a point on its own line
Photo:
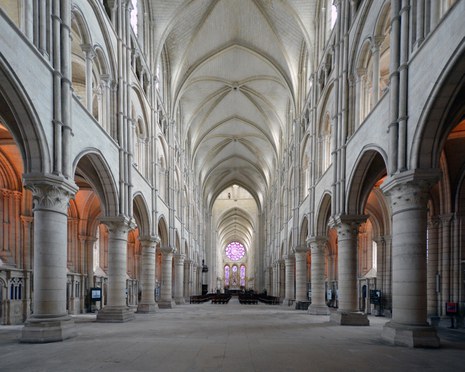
349 318
302 305
411 336
43 330
147 308
115 314
166 304
179 301
287 302
318 310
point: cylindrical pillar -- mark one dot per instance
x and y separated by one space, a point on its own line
347 266
289 267
282 278
347 232
445 260
318 305
179 279
147 302
432 281
116 309
166 293
187 279
301 276
275 280
50 321
408 326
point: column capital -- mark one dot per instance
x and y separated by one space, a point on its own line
50 192
87 238
89 50
446 218
288 258
317 244
410 187
302 248
434 222
347 225
149 240
180 257
316 240
118 224
167 249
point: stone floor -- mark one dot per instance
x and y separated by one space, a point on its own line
233 337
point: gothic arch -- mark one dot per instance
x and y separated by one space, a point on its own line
303 231
142 215
163 231
91 165
22 121
369 168
443 110
323 214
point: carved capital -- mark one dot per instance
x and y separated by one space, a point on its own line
179 258
434 222
167 249
317 244
410 189
149 241
50 192
347 226
118 226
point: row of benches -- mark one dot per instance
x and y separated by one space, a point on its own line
221 298
200 298
248 299
270 300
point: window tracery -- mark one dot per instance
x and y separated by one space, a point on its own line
235 251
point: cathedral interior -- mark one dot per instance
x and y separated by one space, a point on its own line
311 152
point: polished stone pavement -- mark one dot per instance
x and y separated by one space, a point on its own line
233 337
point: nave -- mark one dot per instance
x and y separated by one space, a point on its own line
232 337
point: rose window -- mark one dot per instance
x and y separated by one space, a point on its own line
235 251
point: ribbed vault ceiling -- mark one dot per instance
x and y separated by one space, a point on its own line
234 77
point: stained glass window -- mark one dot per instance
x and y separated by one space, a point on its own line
234 281
226 275
242 276
235 251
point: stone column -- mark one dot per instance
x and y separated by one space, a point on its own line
50 321
301 275
375 77
116 310
445 257
347 313
432 267
147 302
89 52
420 22
275 280
166 293
289 268
194 280
179 279
187 279
282 278
318 305
409 193
434 12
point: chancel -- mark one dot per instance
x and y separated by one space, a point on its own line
301 157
